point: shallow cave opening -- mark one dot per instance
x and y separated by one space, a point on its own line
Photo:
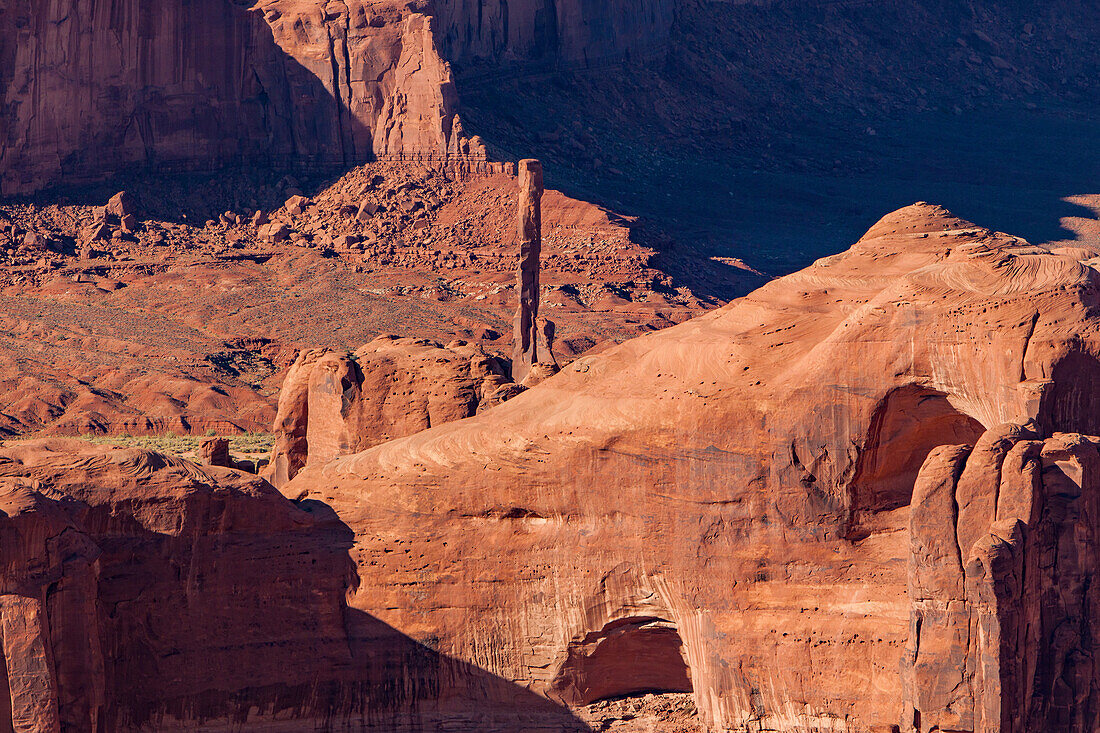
905 426
630 656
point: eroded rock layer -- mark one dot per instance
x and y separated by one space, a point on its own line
859 499
334 404
139 592
96 88
90 89
999 636
739 496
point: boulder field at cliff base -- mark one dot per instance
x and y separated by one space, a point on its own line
396 367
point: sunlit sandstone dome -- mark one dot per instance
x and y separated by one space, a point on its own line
858 499
751 482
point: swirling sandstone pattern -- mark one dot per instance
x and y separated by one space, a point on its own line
861 498
747 479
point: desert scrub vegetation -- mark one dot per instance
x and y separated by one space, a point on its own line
250 444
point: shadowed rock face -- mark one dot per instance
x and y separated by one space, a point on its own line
139 592
750 483
90 89
858 498
999 635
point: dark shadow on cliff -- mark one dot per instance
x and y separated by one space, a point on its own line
244 625
401 683
234 112
779 133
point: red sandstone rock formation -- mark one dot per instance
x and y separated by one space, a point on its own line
94 90
140 592
736 502
91 90
185 327
864 493
334 404
1001 555
534 337
215 452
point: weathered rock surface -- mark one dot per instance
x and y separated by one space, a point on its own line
91 90
739 502
215 452
186 327
999 634
858 499
334 404
140 592
534 336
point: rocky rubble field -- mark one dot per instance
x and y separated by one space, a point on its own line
178 304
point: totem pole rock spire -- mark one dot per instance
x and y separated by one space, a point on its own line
533 337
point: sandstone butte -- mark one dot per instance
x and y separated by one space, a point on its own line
98 88
860 498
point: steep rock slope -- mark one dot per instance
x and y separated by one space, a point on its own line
733 499
94 88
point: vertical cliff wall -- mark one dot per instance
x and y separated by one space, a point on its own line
140 592
88 89
93 88
562 32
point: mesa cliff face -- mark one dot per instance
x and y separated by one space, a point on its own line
91 89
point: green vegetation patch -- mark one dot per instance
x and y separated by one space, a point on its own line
250 444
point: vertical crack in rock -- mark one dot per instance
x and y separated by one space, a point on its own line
1002 643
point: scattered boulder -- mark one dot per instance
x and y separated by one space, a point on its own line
122 204
276 231
215 452
367 209
97 230
296 205
34 240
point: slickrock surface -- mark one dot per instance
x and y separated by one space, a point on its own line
189 323
334 404
735 501
141 592
858 499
